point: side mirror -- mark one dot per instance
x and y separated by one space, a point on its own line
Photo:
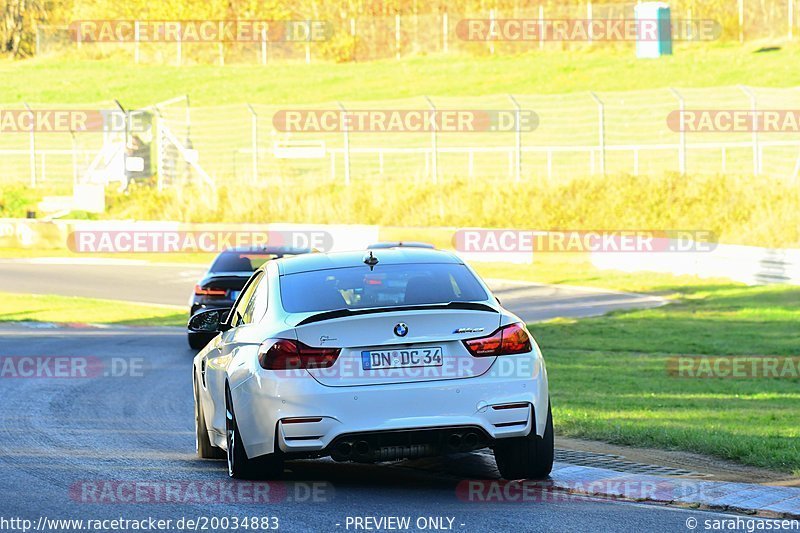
209 321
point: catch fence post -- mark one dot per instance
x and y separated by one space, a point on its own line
601 120
32 146
346 128
254 141
518 138
434 142
682 133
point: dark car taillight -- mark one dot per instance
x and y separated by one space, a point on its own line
199 290
285 354
507 340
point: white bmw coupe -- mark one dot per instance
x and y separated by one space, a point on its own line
393 354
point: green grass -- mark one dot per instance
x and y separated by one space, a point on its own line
577 269
63 79
70 309
609 381
740 210
743 210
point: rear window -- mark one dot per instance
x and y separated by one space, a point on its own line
386 286
240 261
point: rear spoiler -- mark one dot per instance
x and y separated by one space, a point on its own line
341 313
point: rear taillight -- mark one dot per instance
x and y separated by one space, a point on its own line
507 340
209 291
285 354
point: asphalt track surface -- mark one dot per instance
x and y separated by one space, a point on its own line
172 284
113 441
77 448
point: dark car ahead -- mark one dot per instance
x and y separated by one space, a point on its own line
222 283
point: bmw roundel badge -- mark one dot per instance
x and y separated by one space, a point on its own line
401 329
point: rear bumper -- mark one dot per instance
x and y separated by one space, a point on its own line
377 446
266 403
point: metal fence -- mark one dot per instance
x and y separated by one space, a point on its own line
357 37
578 135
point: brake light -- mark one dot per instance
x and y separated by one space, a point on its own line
285 354
507 340
209 291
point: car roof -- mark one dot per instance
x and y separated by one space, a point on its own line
399 244
389 256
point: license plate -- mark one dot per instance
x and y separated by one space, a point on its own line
406 358
235 294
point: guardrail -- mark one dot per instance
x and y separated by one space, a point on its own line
748 264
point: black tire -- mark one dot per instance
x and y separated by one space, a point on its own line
203 446
529 457
197 342
239 465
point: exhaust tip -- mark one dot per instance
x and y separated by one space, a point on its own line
454 441
342 451
344 448
362 447
470 440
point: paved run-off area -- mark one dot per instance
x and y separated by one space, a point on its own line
172 284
